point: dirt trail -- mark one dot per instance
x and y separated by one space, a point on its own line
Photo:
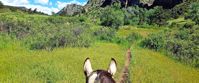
124 77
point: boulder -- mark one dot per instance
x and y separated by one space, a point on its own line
71 9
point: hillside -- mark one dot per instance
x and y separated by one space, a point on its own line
78 9
43 48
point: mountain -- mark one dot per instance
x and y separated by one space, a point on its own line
104 3
74 9
71 9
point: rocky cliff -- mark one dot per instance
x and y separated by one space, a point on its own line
99 3
74 9
104 3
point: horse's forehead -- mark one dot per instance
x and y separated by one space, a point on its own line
96 76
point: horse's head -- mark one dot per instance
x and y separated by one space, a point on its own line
99 76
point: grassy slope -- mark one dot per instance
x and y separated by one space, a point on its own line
126 30
61 65
65 64
153 67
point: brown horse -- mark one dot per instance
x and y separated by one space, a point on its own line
99 76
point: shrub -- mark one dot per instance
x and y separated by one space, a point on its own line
112 17
1 4
104 34
194 12
41 32
154 41
179 10
182 43
73 36
132 16
133 37
144 17
159 16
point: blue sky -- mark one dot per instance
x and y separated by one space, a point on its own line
46 6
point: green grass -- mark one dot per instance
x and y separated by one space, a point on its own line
180 21
153 67
126 30
64 65
60 65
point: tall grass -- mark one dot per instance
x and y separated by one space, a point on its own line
152 67
60 65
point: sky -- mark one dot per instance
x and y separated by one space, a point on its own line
46 6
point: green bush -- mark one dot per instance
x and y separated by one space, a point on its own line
112 17
132 16
73 36
194 12
42 32
143 17
179 10
104 34
154 41
159 16
181 43
133 37
1 4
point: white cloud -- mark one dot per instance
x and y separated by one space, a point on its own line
45 9
63 4
15 2
42 1
25 3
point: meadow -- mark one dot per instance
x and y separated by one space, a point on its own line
36 48
62 65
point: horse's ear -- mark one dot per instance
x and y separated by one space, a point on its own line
112 67
87 67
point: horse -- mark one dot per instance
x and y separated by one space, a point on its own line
100 76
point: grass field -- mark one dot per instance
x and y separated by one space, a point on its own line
144 32
19 64
153 67
62 65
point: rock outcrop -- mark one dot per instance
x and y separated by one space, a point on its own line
99 3
104 3
72 9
